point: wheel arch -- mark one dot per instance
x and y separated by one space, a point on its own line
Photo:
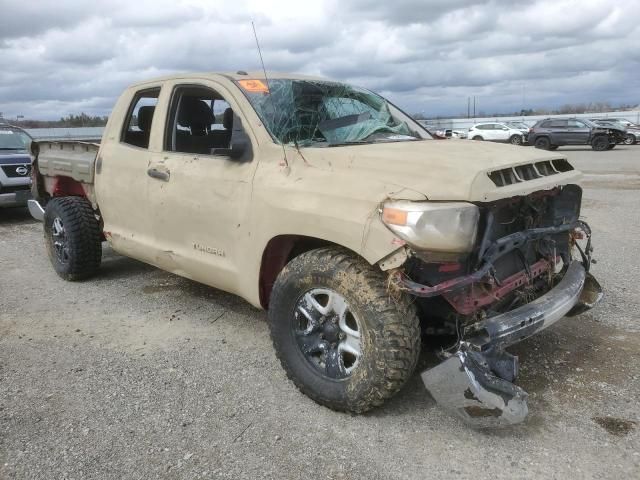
279 251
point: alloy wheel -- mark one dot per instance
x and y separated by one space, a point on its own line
60 241
328 333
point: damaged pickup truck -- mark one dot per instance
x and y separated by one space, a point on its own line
336 212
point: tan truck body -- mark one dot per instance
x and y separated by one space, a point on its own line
213 221
340 215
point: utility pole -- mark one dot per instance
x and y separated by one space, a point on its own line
468 107
474 106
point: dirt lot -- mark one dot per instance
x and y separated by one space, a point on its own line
142 374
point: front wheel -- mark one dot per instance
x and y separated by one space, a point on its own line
73 237
340 337
600 143
477 138
516 140
629 139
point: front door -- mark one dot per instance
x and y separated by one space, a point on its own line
500 132
577 132
200 194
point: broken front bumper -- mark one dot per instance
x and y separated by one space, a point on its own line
474 382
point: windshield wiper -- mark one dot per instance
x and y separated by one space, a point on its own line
355 142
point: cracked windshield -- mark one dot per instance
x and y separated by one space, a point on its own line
318 113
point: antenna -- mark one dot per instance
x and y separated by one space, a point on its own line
284 153
260 53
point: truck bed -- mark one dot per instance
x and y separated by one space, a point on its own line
74 159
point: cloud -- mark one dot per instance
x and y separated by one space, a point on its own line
427 56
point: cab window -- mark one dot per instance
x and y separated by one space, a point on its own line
200 121
137 126
576 124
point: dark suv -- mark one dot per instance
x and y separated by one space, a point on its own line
15 166
552 133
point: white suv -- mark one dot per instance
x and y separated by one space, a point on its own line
498 132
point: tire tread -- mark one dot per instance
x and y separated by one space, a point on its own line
84 235
400 332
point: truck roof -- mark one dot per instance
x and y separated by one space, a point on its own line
238 75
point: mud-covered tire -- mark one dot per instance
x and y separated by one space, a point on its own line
72 237
389 329
542 143
600 143
516 140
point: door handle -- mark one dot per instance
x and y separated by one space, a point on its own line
159 174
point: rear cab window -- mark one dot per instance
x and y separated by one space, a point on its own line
137 125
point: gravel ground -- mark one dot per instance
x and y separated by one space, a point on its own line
143 374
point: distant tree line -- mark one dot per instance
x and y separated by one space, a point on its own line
81 120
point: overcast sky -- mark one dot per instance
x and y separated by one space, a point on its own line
428 56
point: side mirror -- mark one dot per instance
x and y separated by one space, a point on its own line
240 144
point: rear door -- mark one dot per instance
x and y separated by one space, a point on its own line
200 196
121 180
557 130
484 130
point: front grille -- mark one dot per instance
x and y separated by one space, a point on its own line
10 170
530 171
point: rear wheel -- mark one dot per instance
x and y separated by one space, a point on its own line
543 143
340 337
73 238
516 140
600 143
629 139
478 138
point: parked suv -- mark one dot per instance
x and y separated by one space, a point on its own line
15 166
551 133
498 132
633 130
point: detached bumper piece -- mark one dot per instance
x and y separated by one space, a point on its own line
474 383
465 386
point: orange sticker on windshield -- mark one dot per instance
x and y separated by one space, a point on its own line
254 86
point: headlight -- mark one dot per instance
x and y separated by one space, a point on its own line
433 226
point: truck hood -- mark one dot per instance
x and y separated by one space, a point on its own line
438 170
